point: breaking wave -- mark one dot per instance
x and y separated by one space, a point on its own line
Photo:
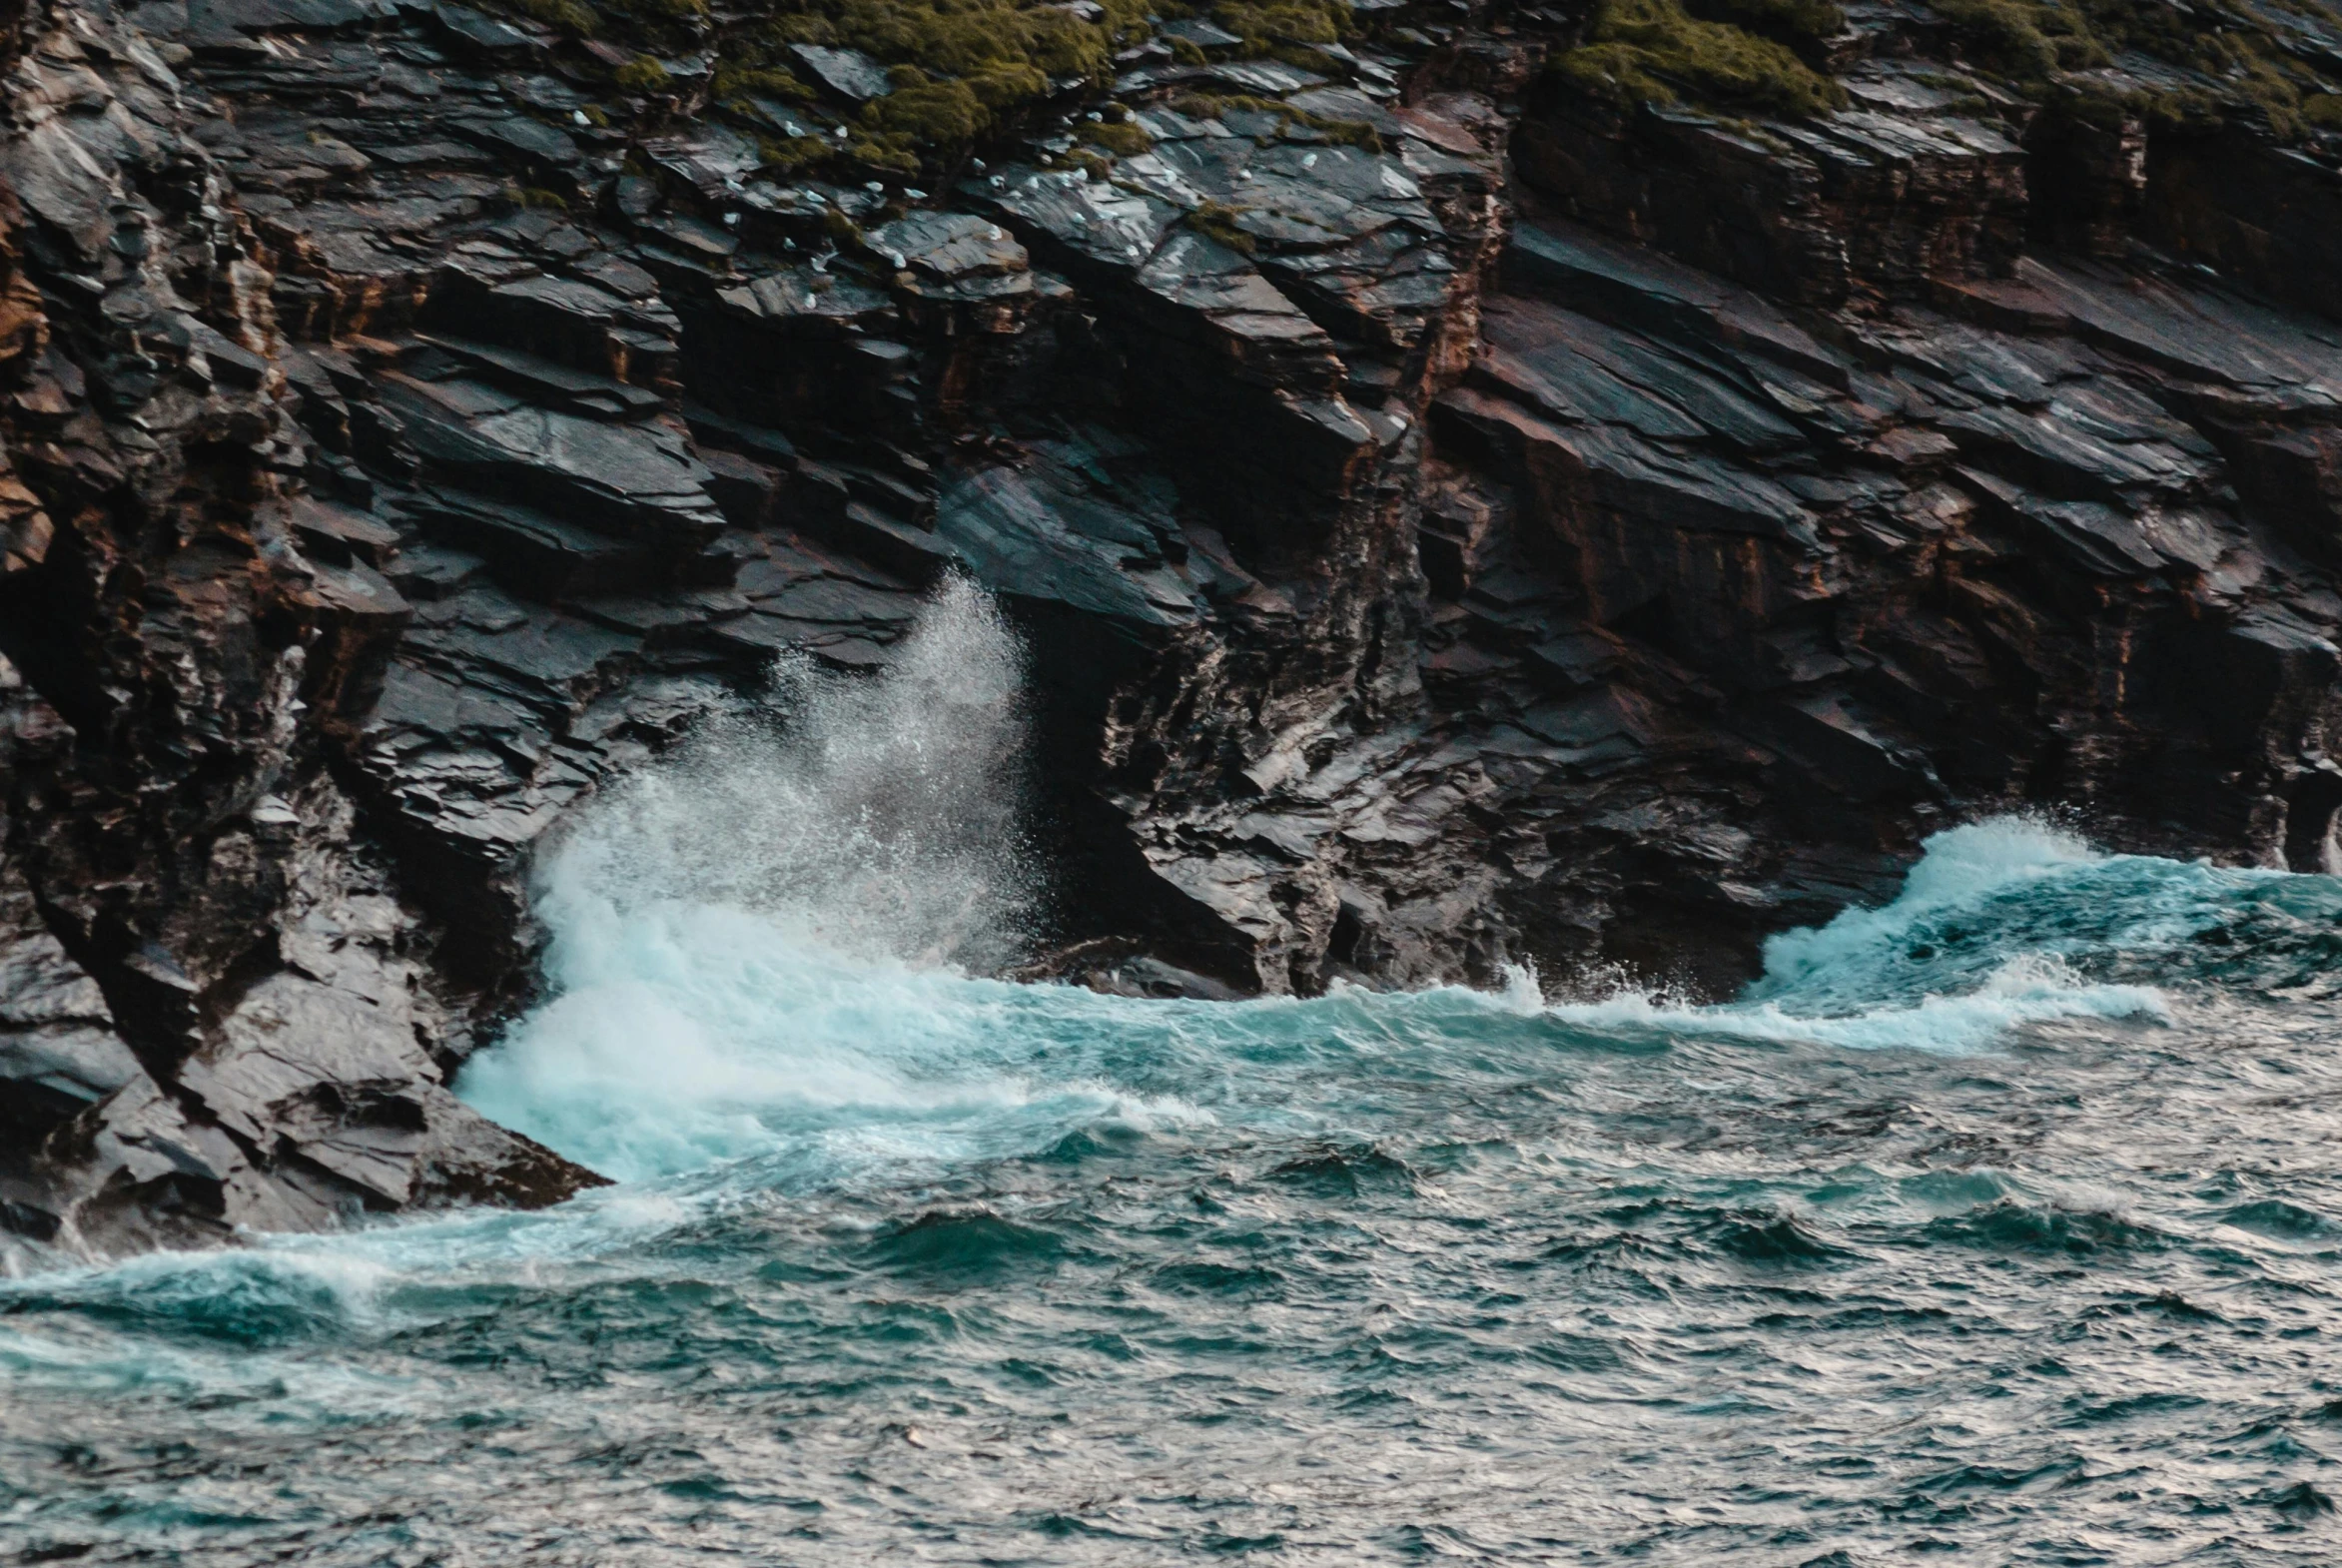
908 1260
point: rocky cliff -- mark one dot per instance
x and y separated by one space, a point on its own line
1479 482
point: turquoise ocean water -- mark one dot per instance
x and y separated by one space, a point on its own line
1999 1224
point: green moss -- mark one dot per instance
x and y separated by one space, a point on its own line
1216 221
1083 159
1120 138
931 114
1785 21
2247 54
641 74
2025 40
962 69
796 154
886 151
1738 56
1004 89
736 81
965 38
1209 106
1264 27
566 16
1356 132
1654 51
2323 111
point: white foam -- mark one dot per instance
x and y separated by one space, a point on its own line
1958 866
756 944
878 817
755 948
1837 984
2028 989
728 987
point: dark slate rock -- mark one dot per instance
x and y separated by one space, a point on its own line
2052 451
838 603
1638 479
1264 78
1631 380
803 299
1842 748
533 552
847 72
1202 34
59 1053
341 536
910 552
949 245
1040 532
1096 220
638 482
712 159
1643 288
61 184
2086 534
2206 334
562 387
531 139
472 29
1567 385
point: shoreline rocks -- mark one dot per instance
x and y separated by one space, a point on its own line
1457 522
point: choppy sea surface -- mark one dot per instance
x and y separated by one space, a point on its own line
2002 1224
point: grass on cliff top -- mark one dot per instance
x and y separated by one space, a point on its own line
1655 51
1766 56
2243 47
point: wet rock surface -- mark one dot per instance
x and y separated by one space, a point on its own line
1457 522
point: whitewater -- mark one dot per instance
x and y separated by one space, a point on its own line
1999 1224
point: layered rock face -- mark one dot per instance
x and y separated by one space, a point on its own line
1456 520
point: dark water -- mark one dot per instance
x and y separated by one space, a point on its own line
2047 1273
2002 1226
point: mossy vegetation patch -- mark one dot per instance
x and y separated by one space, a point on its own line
959 70
1015 45
1211 106
563 16
1656 51
1769 57
643 74
2243 53
1113 131
1289 30
1216 221
1801 24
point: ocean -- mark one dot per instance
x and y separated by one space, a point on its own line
2000 1223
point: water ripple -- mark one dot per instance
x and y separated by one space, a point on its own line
2000 1221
